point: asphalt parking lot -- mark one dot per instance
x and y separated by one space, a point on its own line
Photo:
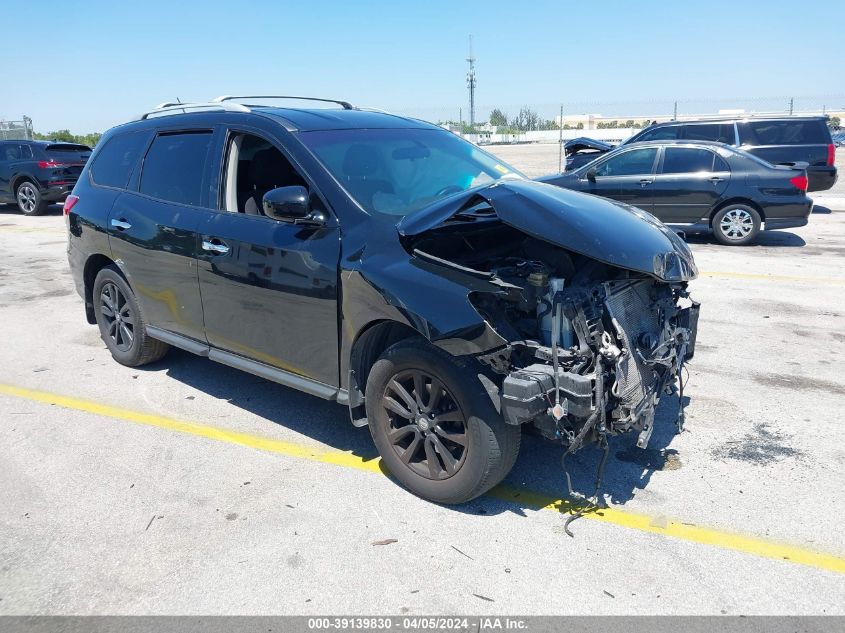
187 487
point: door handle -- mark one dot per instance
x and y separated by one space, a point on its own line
645 181
121 224
215 246
716 180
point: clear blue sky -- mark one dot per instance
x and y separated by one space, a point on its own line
89 65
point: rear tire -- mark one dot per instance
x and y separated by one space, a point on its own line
121 323
736 225
435 425
29 198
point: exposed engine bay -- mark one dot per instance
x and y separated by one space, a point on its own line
591 346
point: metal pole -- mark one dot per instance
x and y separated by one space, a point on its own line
791 105
560 142
675 115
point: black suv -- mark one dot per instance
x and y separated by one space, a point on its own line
780 141
35 173
389 265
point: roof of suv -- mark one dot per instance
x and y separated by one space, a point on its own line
747 117
307 120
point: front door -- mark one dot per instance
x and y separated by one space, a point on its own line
153 230
626 177
269 288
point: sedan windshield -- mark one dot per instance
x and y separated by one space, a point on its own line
398 171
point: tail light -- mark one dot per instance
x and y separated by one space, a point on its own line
800 182
70 202
831 154
46 164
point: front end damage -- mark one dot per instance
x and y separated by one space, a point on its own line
594 307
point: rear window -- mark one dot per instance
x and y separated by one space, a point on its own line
115 161
68 147
784 133
68 152
686 160
174 167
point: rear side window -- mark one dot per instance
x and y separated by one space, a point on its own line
784 133
668 133
687 160
115 161
174 167
11 152
721 132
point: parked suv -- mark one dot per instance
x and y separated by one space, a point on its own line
780 141
391 266
35 173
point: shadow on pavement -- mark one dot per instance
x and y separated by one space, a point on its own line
765 239
536 478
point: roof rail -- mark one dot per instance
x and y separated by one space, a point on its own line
746 115
169 107
344 104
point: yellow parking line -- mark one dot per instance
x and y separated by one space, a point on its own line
784 278
655 525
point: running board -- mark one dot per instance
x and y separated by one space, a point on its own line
274 374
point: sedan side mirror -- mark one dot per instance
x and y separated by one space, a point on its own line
290 204
591 174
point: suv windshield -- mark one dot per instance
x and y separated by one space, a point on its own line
399 171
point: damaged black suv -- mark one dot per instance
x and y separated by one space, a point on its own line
389 265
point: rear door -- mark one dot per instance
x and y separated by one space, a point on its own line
626 176
689 182
787 141
153 229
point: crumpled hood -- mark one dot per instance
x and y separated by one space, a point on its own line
582 142
598 228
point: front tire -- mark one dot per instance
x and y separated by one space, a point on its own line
122 326
435 425
736 225
29 199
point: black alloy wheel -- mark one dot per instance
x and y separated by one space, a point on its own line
117 313
435 425
121 322
427 428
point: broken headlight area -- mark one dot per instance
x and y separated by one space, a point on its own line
592 347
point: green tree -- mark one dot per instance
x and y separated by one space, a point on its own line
526 120
498 118
580 126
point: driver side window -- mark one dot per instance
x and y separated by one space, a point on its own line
635 162
254 167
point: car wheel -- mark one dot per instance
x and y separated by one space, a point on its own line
435 425
736 225
29 199
121 323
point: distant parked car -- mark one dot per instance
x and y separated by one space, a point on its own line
702 185
781 141
35 173
582 150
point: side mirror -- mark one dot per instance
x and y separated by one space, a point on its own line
289 204
591 174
